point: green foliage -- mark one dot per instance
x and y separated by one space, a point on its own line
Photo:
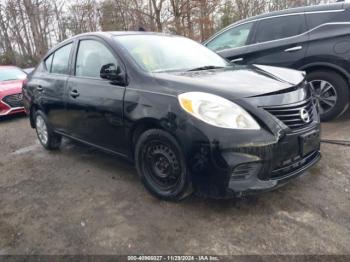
227 11
5 59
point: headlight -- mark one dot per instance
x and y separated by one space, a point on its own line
217 111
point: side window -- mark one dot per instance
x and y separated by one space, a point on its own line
232 38
317 19
48 63
279 27
92 55
60 62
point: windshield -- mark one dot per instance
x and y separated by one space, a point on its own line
157 53
11 73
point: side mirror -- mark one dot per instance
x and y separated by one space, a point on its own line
113 73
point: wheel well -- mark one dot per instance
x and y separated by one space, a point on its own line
140 128
328 68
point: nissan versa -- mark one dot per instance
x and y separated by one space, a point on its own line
188 119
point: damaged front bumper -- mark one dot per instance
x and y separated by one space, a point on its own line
235 163
251 168
254 184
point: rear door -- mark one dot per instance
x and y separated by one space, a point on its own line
95 105
280 41
48 85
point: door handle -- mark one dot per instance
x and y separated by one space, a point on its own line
293 49
39 88
237 60
74 93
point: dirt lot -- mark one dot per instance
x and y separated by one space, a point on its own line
81 201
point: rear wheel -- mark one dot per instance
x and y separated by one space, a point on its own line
331 93
46 136
161 165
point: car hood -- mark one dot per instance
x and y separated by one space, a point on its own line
15 85
235 82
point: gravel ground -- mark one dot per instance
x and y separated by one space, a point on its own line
81 201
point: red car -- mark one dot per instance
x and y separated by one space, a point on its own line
11 80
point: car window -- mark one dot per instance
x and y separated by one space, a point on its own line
279 27
11 73
232 38
92 55
60 62
158 53
317 19
48 63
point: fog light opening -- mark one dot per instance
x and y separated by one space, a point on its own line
246 171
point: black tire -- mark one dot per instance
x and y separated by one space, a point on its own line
161 165
53 140
341 88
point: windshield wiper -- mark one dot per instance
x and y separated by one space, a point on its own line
205 68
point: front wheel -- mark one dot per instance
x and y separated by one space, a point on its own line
161 165
331 93
46 136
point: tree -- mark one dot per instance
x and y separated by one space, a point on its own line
157 7
28 28
8 53
227 13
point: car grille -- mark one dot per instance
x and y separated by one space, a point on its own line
291 115
14 100
291 166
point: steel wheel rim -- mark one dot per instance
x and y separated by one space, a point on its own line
324 94
41 129
161 165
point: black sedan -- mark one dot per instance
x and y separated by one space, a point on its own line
188 119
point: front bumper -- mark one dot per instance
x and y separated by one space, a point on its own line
226 163
251 168
7 109
234 163
254 184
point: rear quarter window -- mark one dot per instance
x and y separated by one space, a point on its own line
318 19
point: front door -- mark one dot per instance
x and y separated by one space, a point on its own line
95 105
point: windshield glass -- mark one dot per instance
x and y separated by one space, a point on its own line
157 53
11 73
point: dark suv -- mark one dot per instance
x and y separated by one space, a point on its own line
315 39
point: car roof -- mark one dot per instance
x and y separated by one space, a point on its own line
113 33
116 33
304 9
8 66
107 34
119 33
313 8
